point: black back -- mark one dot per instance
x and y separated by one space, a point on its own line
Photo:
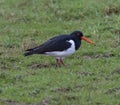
58 43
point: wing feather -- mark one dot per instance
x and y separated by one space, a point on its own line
58 43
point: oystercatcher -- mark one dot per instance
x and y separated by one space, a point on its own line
60 46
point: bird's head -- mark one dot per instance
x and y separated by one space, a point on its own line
79 34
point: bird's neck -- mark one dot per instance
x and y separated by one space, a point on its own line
77 43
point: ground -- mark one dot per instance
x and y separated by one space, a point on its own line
92 75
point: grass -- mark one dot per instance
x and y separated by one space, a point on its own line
93 73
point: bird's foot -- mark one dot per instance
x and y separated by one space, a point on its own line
60 62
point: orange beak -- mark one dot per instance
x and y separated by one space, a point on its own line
87 40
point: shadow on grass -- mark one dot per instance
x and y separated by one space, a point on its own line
40 65
92 55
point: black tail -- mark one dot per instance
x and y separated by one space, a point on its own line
36 50
28 53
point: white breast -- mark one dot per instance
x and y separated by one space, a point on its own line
61 54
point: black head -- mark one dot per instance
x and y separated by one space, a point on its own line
78 35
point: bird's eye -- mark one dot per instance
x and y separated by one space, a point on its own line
78 34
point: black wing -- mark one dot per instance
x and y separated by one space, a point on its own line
58 43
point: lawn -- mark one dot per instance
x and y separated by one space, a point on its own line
92 75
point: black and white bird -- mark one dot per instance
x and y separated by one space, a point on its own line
60 46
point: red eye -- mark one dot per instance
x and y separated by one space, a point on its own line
78 34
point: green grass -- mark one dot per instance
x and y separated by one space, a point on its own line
92 76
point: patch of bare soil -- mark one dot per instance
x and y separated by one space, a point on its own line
83 73
101 55
105 55
44 102
99 103
10 102
78 87
1 53
62 89
117 31
112 10
1 45
116 71
115 43
68 89
40 65
113 90
3 65
23 4
70 97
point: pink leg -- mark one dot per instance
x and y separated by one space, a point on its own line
62 62
58 63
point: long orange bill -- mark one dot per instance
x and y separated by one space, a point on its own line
87 40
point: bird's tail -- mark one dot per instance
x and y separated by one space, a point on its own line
28 53
36 50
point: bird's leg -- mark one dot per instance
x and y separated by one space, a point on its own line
58 63
62 62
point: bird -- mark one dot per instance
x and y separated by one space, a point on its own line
60 46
